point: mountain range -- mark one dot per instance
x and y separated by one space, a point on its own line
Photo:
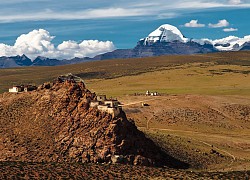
165 40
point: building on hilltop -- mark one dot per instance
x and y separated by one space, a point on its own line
110 106
22 88
16 89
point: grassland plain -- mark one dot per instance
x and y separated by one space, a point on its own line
195 78
202 117
200 71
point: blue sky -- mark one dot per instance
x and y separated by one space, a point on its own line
122 22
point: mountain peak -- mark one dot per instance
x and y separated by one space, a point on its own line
170 34
24 56
165 33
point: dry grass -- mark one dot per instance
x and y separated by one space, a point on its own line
193 125
195 78
219 103
110 69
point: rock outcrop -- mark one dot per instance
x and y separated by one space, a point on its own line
56 124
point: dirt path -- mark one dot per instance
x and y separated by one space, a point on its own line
142 101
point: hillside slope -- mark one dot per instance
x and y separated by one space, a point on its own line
56 124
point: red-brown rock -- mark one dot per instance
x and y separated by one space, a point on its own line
56 124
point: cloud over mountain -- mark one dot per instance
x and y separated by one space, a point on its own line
39 43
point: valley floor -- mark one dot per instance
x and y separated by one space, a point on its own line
209 132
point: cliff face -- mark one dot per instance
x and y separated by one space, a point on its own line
56 124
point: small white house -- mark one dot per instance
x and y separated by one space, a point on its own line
16 89
148 93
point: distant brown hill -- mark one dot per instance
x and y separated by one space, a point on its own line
110 69
56 124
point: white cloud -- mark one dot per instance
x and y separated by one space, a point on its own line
167 15
221 23
17 11
230 29
235 2
197 4
38 43
90 48
194 24
49 14
203 4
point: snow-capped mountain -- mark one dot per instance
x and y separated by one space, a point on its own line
168 39
165 40
168 33
165 33
231 43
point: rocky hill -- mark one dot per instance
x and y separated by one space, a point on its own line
56 124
